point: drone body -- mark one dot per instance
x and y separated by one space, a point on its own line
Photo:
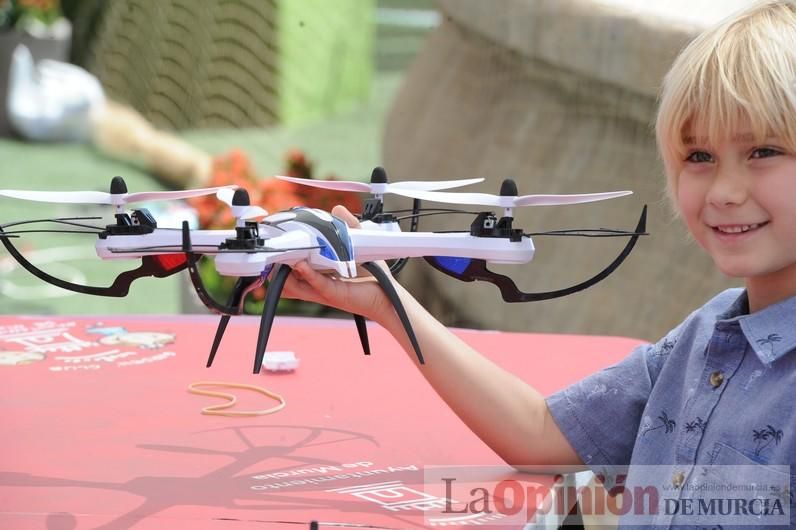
256 251
304 234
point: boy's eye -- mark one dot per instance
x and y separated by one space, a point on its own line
699 156
764 152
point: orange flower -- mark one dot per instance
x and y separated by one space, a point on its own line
278 195
273 195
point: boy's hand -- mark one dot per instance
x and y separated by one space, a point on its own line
361 296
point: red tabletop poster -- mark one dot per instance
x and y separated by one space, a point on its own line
100 432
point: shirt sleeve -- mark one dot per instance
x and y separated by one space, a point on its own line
600 414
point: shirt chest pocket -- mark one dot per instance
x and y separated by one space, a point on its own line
742 477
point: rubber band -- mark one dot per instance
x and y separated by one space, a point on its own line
219 410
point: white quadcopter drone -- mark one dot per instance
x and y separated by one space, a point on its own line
264 247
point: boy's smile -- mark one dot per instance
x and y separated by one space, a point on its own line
735 232
738 199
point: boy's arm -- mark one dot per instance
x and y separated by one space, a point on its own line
509 415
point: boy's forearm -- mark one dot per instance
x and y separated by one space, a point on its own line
505 412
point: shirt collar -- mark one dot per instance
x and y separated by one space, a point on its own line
770 331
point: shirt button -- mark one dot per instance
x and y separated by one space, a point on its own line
716 379
678 478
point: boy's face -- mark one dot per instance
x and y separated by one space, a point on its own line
738 200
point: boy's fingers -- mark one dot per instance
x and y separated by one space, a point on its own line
296 286
316 280
301 268
343 213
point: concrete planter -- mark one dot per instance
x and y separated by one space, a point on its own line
41 48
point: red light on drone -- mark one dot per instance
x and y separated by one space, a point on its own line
170 261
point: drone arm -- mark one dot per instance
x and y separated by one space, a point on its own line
158 266
476 270
371 245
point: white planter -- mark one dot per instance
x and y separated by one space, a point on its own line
41 47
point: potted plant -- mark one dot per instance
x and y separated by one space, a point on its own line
39 25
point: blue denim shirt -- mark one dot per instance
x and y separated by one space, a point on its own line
718 390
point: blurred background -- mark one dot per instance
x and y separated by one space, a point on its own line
557 95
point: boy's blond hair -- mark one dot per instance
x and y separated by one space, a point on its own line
743 70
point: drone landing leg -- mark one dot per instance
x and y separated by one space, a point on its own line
392 294
362 329
242 287
222 326
269 312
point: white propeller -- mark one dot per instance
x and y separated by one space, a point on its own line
240 211
101 197
428 191
509 201
380 187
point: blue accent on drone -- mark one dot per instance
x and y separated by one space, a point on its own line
342 229
267 270
326 250
457 265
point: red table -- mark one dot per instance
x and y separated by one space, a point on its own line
100 431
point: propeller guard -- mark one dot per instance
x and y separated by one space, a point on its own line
477 270
159 266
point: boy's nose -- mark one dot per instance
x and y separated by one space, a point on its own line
728 188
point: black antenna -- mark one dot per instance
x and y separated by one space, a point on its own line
186 238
